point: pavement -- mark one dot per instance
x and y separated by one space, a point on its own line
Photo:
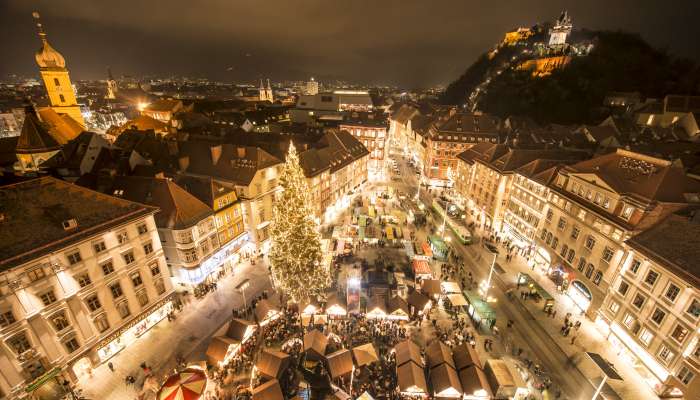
187 336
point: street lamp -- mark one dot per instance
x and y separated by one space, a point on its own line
241 289
487 284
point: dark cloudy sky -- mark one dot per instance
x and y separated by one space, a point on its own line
403 42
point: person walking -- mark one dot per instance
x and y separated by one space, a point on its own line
110 366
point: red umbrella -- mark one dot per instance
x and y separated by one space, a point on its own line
188 384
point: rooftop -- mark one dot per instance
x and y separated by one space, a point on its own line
34 212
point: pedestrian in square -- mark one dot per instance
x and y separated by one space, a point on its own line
110 366
554 313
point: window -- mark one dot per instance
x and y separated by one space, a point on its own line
694 308
59 321
598 277
589 271
19 343
679 333
581 264
645 336
99 247
672 292
56 82
190 255
101 323
627 212
570 256
128 257
6 319
666 355
160 286
575 232
638 301
93 303
562 223
155 269
116 290
122 237
71 345
36 274
590 242
48 297
148 248
123 309
607 254
136 279
658 316
651 278
107 267
685 375
74 258
83 280
623 287
628 320
555 243
614 307
549 238
142 229
564 249
550 214
142 297
581 214
634 267
62 98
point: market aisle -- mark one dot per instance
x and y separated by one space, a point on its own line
187 336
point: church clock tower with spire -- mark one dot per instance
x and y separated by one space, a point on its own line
53 70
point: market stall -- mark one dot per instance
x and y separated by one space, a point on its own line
376 307
188 384
411 379
445 382
265 312
269 390
421 269
315 343
365 354
335 305
272 363
408 351
340 364
419 302
397 308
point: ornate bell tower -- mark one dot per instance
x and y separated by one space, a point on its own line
57 82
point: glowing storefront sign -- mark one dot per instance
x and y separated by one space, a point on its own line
653 366
195 276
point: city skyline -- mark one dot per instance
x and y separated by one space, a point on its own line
245 42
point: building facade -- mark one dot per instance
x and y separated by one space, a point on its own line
371 130
90 284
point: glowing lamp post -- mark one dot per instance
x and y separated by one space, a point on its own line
486 285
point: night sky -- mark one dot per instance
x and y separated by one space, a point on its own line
407 43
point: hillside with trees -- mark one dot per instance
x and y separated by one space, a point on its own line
619 61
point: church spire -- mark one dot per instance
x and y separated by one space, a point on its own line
39 26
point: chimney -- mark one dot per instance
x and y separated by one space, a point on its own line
215 154
183 163
240 151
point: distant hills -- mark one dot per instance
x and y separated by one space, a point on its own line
618 62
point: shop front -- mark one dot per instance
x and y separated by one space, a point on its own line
559 274
542 259
580 294
49 386
219 263
131 331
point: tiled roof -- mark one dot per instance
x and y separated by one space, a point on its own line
204 188
35 136
335 150
178 208
34 212
62 127
164 105
485 152
640 176
674 243
236 164
466 122
144 123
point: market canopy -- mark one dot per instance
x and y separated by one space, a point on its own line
465 356
218 348
311 306
474 382
418 300
398 308
431 287
315 343
365 354
269 390
365 396
376 307
457 299
271 363
316 319
335 305
189 384
421 268
407 351
339 363
265 310
438 353
411 378
238 329
450 287
445 382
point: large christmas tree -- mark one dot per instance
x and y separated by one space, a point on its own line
295 255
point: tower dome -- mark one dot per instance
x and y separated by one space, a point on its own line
47 56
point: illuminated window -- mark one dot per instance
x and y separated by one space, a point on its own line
614 307
645 336
48 297
679 333
56 82
685 375
634 267
666 355
694 308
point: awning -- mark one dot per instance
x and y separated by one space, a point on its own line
188 384
426 249
457 300
450 287
421 268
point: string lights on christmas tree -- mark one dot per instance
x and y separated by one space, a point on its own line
295 255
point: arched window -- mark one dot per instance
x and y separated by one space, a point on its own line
549 237
570 256
581 264
589 271
63 99
555 242
564 249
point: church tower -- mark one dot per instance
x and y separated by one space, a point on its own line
53 70
111 86
560 31
265 93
